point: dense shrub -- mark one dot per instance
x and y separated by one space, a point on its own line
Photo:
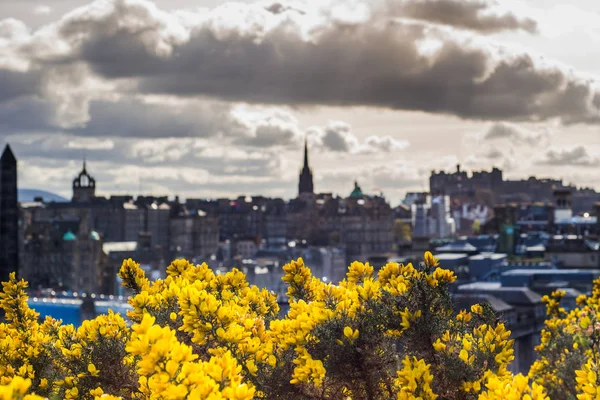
200 335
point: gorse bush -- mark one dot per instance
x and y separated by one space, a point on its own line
198 335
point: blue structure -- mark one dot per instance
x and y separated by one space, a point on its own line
453 261
482 264
63 309
549 277
484 243
69 310
460 247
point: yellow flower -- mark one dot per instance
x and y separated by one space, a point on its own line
92 370
352 335
439 346
430 260
464 355
476 309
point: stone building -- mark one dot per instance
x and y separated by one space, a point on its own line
193 236
460 185
61 253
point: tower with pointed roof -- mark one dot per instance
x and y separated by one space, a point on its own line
305 184
9 215
84 186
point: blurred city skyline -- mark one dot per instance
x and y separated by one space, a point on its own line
213 99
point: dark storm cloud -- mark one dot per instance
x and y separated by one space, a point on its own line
249 53
468 14
267 58
577 156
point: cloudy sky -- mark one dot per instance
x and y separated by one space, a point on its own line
206 98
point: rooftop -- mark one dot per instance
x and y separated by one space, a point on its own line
481 286
511 295
110 247
464 300
457 246
549 271
488 256
451 256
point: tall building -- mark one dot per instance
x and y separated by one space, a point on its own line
9 215
563 203
84 186
431 217
305 185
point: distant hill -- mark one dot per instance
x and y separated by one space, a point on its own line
26 195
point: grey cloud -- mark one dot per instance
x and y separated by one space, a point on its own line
284 58
494 154
373 63
576 156
374 144
17 78
337 137
210 156
134 118
125 117
16 84
388 178
25 114
515 134
57 175
265 127
59 147
501 131
474 15
13 29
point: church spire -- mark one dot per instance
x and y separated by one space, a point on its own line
305 185
306 152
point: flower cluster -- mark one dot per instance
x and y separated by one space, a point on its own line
567 364
378 334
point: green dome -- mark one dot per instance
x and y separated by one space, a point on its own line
94 235
356 193
69 236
